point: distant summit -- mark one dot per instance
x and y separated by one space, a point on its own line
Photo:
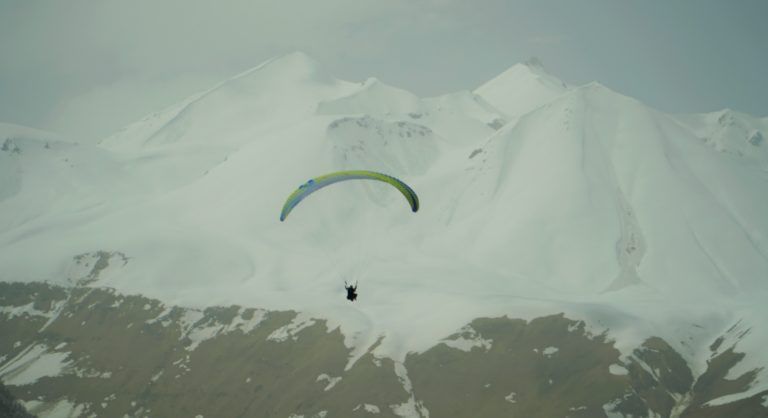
534 62
373 98
521 88
295 65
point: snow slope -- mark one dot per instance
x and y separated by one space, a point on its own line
48 183
536 198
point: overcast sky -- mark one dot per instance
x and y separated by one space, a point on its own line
86 68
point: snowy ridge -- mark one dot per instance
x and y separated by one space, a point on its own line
248 96
201 132
536 197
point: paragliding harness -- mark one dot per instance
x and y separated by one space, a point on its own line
351 291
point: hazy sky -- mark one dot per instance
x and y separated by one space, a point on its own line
86 68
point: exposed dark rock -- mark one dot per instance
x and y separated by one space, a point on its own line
131 355
496 124
10 407
518 375
475 152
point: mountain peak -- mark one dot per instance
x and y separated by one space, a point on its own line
521 88
373 97
595 87
532 67
296 59
534 63
372 81
281 89
292 66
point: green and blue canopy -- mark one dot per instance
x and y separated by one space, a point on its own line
318 183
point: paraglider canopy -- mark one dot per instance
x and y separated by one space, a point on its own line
318 183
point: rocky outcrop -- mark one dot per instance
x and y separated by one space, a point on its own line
84 351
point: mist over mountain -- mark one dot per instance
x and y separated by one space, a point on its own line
554 219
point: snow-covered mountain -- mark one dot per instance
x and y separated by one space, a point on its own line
536 198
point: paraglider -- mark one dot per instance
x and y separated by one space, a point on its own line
351 291
318 183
